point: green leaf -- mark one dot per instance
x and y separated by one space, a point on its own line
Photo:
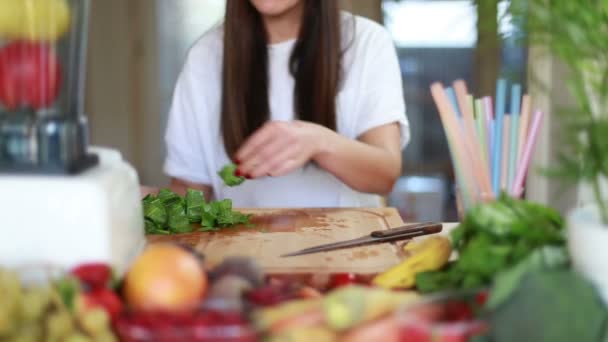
434 281
68 288
170 213
554 305
507 281
492 238
227 173
166 194
155 211
195 201
178 220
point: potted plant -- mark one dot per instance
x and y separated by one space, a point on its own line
576 32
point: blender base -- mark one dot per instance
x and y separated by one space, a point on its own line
80 165
63 221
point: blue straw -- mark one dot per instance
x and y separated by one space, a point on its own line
513 152
452 96
501 95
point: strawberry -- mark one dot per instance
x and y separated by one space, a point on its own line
342 279
481 298
94 276
101 298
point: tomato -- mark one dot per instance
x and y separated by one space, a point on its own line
30 75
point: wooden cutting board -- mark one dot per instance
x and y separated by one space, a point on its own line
280 231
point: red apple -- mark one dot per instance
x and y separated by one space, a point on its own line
165 278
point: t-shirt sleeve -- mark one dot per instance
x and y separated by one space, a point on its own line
185 156
381 100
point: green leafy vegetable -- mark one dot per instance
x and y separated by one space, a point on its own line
542 259
155 211
554 305
195 201
169 213
178 220
228 175
492 238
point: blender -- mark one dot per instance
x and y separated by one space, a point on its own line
61 201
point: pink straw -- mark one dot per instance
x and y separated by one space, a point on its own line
504 163
481 170
453 131
523 124
518 189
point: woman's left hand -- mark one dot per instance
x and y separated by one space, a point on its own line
279 147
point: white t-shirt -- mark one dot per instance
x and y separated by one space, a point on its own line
370 95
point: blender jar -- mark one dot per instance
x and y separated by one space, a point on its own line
43 128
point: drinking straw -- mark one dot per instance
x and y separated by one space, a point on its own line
452 130
523 124
453 101
501 93
471 102
481 171
487 103
514 139
481 130
518 189
505 152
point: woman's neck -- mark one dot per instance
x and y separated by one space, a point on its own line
285 26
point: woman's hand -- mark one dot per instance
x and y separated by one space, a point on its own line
279 148
147 190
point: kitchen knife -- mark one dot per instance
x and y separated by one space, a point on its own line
380 236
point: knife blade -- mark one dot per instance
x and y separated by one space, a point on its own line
380 236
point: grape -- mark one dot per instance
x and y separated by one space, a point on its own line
24 338
29 332
9 311
106 336
76 337
34 303
59 324
95 321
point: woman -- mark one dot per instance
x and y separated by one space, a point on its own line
306 100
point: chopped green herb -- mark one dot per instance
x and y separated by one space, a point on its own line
195 200
228 175
169 213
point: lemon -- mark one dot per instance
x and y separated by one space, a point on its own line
43 20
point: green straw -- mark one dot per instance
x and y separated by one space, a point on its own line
481 129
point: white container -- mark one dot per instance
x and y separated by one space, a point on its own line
588 246
95 216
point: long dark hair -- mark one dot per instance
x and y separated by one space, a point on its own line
315 64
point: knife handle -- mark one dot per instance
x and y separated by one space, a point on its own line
426 228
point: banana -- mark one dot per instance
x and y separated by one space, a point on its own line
45 20
424 255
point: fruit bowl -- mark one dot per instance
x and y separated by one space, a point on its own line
454 317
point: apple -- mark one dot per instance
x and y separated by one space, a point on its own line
165 277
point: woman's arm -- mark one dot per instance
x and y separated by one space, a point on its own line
370 164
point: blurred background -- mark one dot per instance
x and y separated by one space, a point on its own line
137 49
